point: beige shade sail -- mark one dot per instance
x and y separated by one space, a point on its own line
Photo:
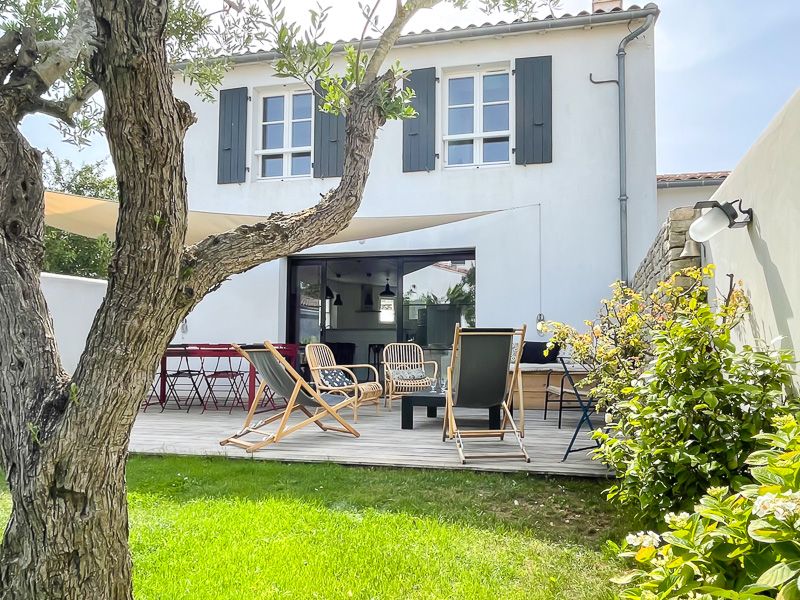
93 217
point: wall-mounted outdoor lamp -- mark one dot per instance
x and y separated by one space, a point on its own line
721 216
540 324
338 301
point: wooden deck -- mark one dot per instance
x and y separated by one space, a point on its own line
382 442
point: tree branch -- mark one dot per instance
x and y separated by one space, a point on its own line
73 47
65 109
8 52
211 261
392 33
368 20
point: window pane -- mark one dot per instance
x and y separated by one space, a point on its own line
272 136
460 91
387 311
459 153
495 87
273 108
272 166
301 134
301 106
459 120
495 117
301 163
495 150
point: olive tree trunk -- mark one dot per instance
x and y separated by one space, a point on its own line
64 439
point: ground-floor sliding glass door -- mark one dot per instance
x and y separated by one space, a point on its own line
359 303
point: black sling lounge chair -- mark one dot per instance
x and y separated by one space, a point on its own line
478 377
279 376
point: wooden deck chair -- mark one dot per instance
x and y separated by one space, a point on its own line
404 370
340 379
279 376
478 377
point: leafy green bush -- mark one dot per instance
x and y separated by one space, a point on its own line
617 346
683 404
743 544
691 419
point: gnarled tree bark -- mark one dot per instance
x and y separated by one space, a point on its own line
63 439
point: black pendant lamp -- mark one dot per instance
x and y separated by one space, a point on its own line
328 293
387 291
338 301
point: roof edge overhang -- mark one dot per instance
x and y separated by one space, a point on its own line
689 183
458 33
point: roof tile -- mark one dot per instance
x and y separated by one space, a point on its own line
700 175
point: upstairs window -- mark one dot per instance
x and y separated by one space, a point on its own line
477 124
285 148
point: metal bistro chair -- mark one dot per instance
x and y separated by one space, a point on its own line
185 379
561 393
154 397
224 382
586 403
478 378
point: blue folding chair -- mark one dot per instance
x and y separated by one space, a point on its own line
587 405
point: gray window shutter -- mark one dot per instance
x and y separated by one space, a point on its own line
419 143
232 143
534 110
329 138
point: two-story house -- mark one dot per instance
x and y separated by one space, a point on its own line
521 118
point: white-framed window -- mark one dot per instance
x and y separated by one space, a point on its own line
285 135
477 124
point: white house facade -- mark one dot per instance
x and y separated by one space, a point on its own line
520 118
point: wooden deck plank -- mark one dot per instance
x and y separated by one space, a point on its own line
382 442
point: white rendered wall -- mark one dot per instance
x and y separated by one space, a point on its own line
577 192
669 198
73 302
245 309
765 255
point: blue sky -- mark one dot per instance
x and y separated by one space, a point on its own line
723 69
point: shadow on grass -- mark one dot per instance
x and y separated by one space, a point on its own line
559 509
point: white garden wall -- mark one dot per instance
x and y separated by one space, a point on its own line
766 254
73 302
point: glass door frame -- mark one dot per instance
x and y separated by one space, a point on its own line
321 260
292 300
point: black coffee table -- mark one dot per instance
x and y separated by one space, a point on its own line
434 400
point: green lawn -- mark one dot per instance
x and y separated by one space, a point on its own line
233 529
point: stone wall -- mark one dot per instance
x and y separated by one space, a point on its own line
664 256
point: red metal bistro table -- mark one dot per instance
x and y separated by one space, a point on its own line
203 351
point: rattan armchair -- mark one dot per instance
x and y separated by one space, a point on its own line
333 378
404 370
